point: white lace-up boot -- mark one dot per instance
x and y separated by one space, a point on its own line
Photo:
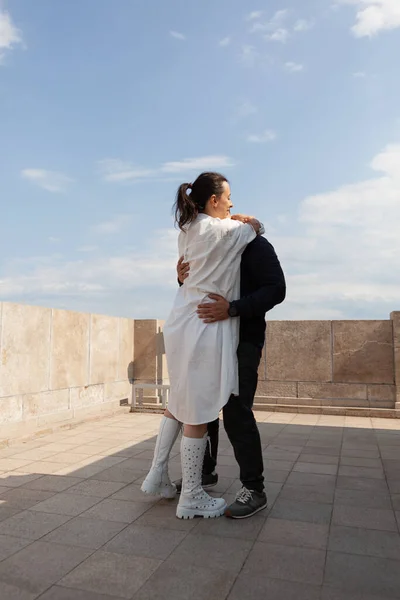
194 501
157 482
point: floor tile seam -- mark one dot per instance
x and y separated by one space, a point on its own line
388 487
333 508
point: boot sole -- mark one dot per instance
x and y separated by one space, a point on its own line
155 490
245 516
191 513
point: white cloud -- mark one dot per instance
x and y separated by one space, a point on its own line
54 240
113 225
342 262
10 35
345 257
177 35
274 25
202 163
114 169
139 283
245 109
225 42
117 171
262 138
359 75
87 248
253 16
303 25
374 16
52 181
294 67
248 55
279 35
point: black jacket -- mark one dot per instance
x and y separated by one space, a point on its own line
262 286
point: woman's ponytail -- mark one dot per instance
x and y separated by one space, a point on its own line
186 210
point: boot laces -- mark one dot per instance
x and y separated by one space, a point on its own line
244 495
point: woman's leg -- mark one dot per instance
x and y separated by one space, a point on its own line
194 501
157 482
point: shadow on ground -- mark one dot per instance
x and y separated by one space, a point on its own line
74 524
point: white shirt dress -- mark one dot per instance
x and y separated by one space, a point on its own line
201 358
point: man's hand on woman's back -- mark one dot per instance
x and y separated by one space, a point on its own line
182 269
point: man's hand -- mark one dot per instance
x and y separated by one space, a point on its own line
242 218
183 269
211 312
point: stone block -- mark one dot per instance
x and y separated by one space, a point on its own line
363 352
382 392
117 390
45 403
332 390
395 318
87 395
10 409
69 360
104 348
25 349
149 358
262 369
299 351
280 389
126 344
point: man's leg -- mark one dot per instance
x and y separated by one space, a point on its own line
210 458
242 430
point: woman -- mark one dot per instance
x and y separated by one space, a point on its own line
201 357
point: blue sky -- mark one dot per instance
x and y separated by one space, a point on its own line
106 106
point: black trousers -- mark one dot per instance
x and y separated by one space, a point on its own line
240 424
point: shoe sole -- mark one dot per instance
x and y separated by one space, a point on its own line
245 516
155 490
191 513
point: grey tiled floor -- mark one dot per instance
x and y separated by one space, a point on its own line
74 524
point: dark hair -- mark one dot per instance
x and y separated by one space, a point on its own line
188 206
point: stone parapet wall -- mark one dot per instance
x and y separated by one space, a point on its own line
330 363
57 365
315 363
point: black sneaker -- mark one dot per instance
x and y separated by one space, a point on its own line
207 482
247 503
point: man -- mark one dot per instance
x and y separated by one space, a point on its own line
263 286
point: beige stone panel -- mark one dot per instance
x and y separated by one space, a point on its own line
299 351
87 395
126 344
363 351
45 403
118 390
149 364
332 390
104 349
69 349
280 389
25 349
262 369
395 317
10 409
382 392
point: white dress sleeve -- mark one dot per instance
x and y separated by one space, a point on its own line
236 234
